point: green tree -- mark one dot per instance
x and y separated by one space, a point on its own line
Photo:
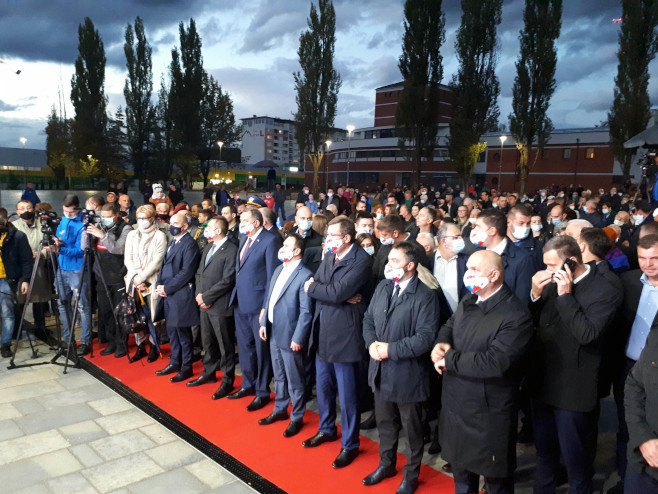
475 87
137 91
421 66
629 114
318 83
163 140
88 93
218 123
58 144
116 152
535 81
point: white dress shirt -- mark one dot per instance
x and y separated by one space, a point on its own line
445 273
284 275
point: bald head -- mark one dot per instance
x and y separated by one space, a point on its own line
574 227
490 265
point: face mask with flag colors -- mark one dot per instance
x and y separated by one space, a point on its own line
473 282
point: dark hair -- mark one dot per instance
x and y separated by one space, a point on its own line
523 209
597 241
231 208
404 205
96 199
648 241
206 212
223 224
255 215
495 218
71 200
299 241
363 214
346 226
367 236
111 206
565 247
409 251
391 223
643 206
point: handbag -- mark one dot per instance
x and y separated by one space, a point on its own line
129 317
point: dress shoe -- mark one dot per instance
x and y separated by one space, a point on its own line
318 439
153 354
203 379
120 353
6 351
274 417
293 428
84 349
380 474
407 487
181 376
258 403
369 423
345 457
170 369
109 349
241 393
139 354
223 391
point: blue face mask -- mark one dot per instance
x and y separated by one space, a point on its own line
175 230
556 221
107 221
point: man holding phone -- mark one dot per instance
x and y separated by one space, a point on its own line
573 305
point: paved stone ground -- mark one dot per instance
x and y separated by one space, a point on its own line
72 434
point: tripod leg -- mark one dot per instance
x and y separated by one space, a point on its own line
27 299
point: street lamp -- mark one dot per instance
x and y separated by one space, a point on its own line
350 129
23 141
220 144
503 138
327 143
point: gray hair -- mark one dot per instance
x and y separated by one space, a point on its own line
581 223
443 231
429 237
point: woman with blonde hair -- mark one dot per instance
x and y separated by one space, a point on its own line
145 249
320 223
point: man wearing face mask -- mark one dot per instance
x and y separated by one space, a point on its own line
256 260
573 306
391 231
343 273
480 353
285 321
490 233
399 329
108 264
175 287
519 231
446 268
215 280
41 290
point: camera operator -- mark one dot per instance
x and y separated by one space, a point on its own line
41 290
15 268
111 237
69 240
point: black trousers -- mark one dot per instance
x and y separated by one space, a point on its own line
391 417
219 345
106 323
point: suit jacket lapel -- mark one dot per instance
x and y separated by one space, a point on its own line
292 276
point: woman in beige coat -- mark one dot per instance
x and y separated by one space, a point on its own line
145 248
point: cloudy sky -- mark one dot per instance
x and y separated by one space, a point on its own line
251 48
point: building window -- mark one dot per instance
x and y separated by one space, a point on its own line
566 154
589 154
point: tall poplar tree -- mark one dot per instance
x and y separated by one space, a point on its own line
317 84
163 138
535 81
638 42
475 87
88 94
421 66
137 91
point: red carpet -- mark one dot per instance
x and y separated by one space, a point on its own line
263 449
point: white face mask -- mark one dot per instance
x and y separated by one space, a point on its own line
521 232
143 224
333 244
638 219
457 245
473 282
285 255
370 250
619 223
365 229
472 220
536 228
393 274
605 211
478 238
246 228
305 225
387 241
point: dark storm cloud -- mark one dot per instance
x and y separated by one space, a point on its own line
48 31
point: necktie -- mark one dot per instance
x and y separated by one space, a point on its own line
244 252
210 254
336 260
394 298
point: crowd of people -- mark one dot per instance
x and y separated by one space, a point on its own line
450 313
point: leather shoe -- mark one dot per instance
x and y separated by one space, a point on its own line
274 417
407 487
202 379
318 439
369 423
84 349
223 391
170 369
380 474
120 353
241 393
258 403
345 457
181 376
293 428
109 349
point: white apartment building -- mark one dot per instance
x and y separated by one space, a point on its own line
269 138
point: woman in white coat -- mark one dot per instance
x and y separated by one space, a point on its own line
145 248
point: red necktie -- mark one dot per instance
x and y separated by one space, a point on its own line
244 252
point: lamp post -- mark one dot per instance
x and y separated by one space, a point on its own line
350 129
23 141
327 143
503 138
220 144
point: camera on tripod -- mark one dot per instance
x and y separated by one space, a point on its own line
647 160
49 222
89 217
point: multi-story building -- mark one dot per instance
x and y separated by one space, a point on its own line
372 156
269 138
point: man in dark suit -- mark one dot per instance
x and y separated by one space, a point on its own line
490 233
573 306
256 261
175 287
480 351
230 214
215 280
288 312
399 328
344 273
519 233
312 239
391 231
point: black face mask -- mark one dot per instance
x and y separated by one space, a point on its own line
3 228
164 217
27 215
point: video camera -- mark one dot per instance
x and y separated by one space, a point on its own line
89 217
49 222
647 160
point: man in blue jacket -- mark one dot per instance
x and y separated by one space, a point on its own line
69 239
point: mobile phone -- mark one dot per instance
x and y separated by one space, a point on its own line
571 263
